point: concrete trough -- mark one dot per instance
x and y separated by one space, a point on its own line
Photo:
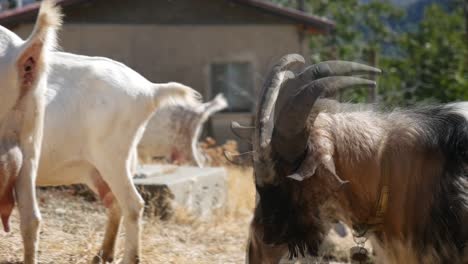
200 191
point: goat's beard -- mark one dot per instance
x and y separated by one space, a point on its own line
302 248
305 239
302 237
300 242
285 219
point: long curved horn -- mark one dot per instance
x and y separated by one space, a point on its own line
285 128
336 68
264 121
290 133
268 94
323 69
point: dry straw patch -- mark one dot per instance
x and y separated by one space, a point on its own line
73 227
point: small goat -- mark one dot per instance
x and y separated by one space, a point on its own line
175 129
23 76
398 177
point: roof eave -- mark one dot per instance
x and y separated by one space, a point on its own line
312 24
315 23
18 15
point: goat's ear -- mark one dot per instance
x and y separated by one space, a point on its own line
310 165
306 170
329 164
242 132
30 61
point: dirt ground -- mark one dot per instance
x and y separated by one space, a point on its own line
72 230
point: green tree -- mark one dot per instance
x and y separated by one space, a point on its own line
429 63
361 30
432 65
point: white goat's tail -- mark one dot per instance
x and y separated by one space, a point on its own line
209 108
205 110
48 22
174 92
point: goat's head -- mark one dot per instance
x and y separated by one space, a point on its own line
23 62
282 141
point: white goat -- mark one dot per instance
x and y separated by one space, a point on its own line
23 74
96 112
175 127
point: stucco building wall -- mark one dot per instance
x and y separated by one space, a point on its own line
169 40
181 53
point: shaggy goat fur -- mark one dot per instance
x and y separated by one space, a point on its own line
422 152
345 157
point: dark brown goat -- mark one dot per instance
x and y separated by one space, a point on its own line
399 177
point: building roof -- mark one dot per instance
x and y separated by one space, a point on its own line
313 22
18 15
310 22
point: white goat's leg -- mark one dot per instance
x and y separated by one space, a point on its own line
28 209
106 254
131 205
134 161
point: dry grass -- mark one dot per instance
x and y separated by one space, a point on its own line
73 227
72 230
241 196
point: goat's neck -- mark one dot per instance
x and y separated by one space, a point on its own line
372 152
355 145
